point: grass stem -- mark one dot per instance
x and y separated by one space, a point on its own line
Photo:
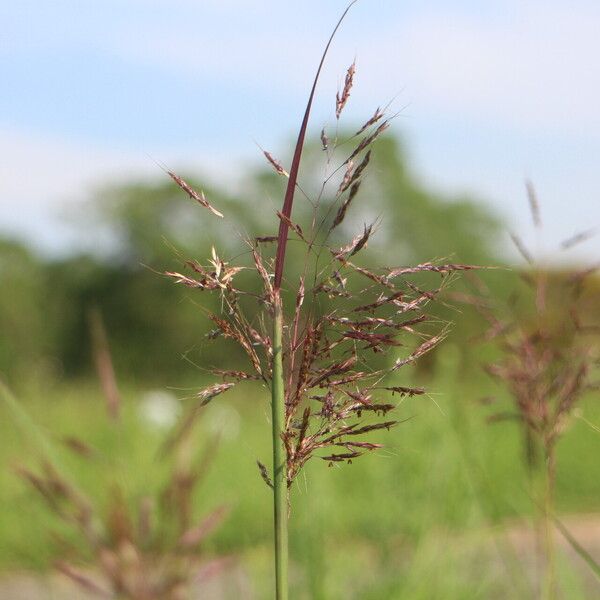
280 489
550 584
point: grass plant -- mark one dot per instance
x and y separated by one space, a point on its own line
112 545
548 362
327 392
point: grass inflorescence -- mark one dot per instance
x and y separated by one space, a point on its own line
328 395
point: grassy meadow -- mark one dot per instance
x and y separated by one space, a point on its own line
424 518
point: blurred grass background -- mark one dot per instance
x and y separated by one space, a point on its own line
421 519
417 520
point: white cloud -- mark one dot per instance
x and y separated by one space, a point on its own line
43 180
533 69
530 65
41 176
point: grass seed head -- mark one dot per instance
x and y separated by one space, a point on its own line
342 99
342 314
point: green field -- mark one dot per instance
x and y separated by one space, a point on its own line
421 519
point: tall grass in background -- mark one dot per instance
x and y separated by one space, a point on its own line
548 353
113 544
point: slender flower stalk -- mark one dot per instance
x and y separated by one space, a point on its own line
280 487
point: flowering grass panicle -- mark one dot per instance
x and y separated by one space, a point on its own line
343 314
327 396
548 355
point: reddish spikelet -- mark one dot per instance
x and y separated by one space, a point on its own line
308 349
347 177
356 245
428 267
237 375
423 348
342 99
379 279
194 195
381 301
348 456
367 428
408 324
212 391
364 445
351 180
334 369
366 142
293 226
362 397
264 275
372 322
266 239
332 292
520 246
354 376
324 140
104 365
374 340
341 213
303 429
218 276
374 119
416 303
264 473
231 331
260 339
184 279
578 238
276 164
405 391
79 447
355 174
534 205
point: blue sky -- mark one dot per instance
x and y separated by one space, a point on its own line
490 93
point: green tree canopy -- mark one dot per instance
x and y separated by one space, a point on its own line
155 227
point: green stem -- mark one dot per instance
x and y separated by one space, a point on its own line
542 475
550 592
280 489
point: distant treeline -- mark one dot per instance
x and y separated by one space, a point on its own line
158 330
